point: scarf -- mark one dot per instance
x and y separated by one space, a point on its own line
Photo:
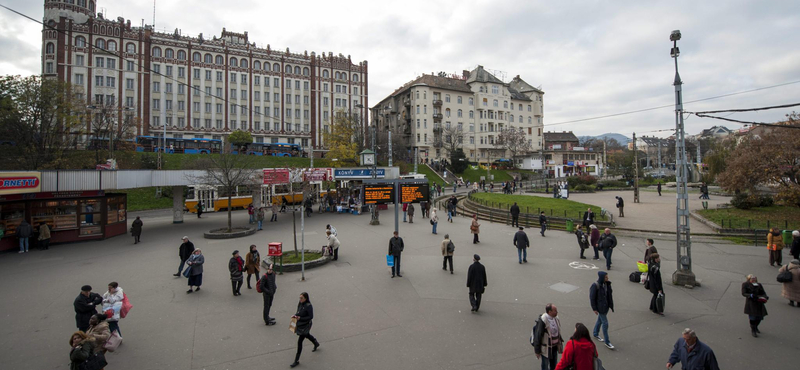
254 256
239 263
553 325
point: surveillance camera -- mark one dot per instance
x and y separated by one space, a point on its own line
675 35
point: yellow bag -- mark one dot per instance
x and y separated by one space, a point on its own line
642 266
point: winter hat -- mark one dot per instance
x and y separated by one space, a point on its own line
185 238
86 288
795 233
521 228
476 257
796 262
235 252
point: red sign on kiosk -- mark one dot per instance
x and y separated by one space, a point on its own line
275 249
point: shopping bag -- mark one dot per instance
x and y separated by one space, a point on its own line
113 342
126 306
389 260
187 272
660 302
293 325
642 266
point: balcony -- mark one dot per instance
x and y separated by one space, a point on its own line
437 117
407 103
438 144
437 102
437 129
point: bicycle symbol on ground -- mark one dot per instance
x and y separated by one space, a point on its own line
582 265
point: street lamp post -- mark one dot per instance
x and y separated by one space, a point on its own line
683 275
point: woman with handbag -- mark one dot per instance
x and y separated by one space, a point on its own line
304 317
195 263
252 263
112 304
579 352
475 229
434 219
754 303
775 247
654 283
791 289
82 355
235 267
98 329
582 242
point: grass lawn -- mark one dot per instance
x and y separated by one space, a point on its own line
142 199
531 204
778 216
475 175
290 257
433 178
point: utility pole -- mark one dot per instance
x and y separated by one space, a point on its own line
390 149
683 275
416 159
659 155
635 171
374 207
605 160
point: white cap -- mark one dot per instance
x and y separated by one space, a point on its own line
185 238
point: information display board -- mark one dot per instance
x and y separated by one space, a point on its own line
378 194
414 193
276 176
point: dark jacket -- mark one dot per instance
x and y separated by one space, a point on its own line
582 240
268 285
601 297
594 237
85 308
236 266
648 252
539 330
476 278
395 246
24 230
136 227
795 251
654 277
514 210
305 313
542 219
588 218
701 357
410 210
186 249
607 241
80 354
751 304
521 240
620 202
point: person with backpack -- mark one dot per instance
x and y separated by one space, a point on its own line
601 300
579 352
546 337
447 253
267 287
621 206
654 284
522 243
607 243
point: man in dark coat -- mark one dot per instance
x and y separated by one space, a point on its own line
514 214
184 252
522 243
692 353
542 222
476 282
410 212
24 233
621 206
588 218
650 249
268 288
136 229
795 250
658 187
395 249
85 307
607 243
601 299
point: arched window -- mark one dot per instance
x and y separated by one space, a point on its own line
326 74
530 120
447 112
112 45
50 48
196 57
512 118
460 114
100 43
338 75
208 59
80 42
130 48
267 66
297 70
305 71
288 69
471 114
243 62
219 60
355 77
234 62
256 65
157 52
181 55
495 103
169 53
520 119
481 88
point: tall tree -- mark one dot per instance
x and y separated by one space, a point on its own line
40 119
107 127
453 137
344 139
228 171
514 141
239 139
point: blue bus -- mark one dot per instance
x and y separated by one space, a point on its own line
273 149
173 145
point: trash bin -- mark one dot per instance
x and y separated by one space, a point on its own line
787 237
571 226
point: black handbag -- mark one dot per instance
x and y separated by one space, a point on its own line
785 276
95 362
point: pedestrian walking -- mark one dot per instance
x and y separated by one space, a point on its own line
588 218
755 299
112 300
775 247
24 232
522 243
136 230
594 240
450 210
333 244
423 206
395 250
85 306
251 213
98 329
475 229
447 252
692 353
621 206
649 250
583 243
655 285
607 243
275 211
44 236
309 206
791 289
283 204
405 212
579 352
305 317
476 282
184 252
601 299
199 208
658 187
195 263
235 267
267 285
252 264
514 211
542 223
260 218
546 337
427 207
795 250
434 220
411 213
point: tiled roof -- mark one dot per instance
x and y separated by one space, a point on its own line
518 95
560 136
480 75
444 83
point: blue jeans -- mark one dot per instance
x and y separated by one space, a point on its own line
23 244
404 216
434 227
544 227
522 253
550 362
260 222
449 216
602 319
252 218
180 269
114 325
607 254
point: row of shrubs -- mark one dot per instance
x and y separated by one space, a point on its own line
747 201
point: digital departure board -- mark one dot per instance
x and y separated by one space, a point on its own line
414 193
378 194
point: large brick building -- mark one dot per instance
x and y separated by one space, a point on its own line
199 87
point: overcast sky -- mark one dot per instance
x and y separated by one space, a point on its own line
591 58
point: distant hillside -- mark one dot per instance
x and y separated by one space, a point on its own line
622 139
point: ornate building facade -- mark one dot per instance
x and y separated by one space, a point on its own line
198 87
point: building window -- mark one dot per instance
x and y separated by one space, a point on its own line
471 101
78 79
495 103
79 60
50 48
181 72
80 42
181 89
208 59
111 82
219 60
446 98
219 108
156 51
156 86
156 104
219 124
529 107
130 48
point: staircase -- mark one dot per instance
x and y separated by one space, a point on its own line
448 180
